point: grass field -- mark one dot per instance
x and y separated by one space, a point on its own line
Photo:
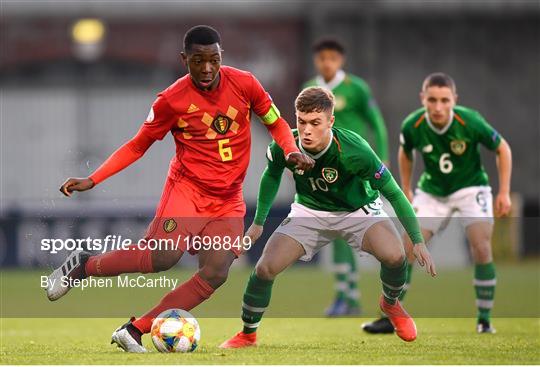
293 332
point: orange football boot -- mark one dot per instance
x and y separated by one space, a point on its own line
400 319
240 340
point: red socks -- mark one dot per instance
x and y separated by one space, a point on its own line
186 296
131 260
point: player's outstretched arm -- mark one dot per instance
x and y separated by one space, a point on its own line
503 203
407 217
282 135
120 159
406 164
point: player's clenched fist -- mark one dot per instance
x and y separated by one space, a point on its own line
301 161
254 232
76 184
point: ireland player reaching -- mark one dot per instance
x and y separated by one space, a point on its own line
208 113
448 137
338 198
355 110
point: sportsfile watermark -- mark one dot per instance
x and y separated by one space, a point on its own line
118 242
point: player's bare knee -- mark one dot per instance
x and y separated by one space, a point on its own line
482 252
215 276
394 260
264 271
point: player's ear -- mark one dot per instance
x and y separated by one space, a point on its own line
183 57
455 98
332 120
421 95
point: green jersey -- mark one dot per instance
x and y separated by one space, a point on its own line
356 109
451 155
346 176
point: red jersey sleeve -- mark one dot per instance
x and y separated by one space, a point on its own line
161 119
261 103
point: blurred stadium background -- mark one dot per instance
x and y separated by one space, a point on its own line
78 78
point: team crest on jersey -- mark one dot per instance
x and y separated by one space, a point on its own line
458 147
169 225
329 174
221 124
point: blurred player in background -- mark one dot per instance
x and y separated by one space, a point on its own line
355 110
208 113
338 198
448 137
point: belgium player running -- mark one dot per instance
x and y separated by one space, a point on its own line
208 113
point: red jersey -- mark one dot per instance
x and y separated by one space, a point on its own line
211 129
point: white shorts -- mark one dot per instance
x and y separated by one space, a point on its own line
471 204
314 229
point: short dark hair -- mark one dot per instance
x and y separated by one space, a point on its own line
315 99
328 44
201 35
439 80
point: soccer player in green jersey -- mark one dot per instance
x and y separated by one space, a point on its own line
448 137
355 110
338 198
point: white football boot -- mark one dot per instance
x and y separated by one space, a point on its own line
72 268
126 340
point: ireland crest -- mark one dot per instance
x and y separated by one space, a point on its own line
221 124
458 147
329 174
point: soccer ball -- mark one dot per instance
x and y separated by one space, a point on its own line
174 331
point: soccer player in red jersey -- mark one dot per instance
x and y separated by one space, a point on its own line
208 113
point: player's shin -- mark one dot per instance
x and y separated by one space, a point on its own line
393 281
407 282
256 299
484 284
186 296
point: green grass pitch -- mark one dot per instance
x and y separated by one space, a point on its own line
77 328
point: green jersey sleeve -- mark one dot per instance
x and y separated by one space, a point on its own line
487 135
406 136
403 209
270 181
371 113
368 166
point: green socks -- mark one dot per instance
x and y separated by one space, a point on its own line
484 285
256 300
393 281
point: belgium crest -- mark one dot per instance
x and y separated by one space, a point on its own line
458 146
329 174
169 225
221 124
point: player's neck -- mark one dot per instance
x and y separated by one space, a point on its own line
321 148
440 127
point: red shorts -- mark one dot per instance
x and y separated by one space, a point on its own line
196 221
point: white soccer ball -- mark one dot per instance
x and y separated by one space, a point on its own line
175 330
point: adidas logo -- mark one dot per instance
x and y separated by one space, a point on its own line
192 108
